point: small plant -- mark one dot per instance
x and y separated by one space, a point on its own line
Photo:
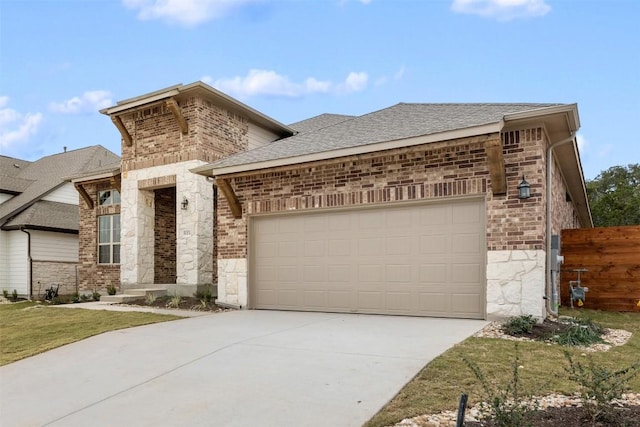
84 298
96 295
519 325
75 297
5 293
581 333
14 295
504 404
150 299
599 386
175 301
111 290
208 296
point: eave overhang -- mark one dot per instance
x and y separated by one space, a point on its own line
179 92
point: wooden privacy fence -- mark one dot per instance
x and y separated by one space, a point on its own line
612 256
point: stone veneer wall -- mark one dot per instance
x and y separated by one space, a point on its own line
165 236
515 228
46 273
91 275
194 226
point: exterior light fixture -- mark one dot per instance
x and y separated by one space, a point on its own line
524 189
185 203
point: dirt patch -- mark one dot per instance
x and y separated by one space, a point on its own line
576 417
185 303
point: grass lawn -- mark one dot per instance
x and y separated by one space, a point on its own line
439 385
29 328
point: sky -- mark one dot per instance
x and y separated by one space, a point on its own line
63 60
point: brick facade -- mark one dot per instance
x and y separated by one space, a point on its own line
425 172
214 132
46 273
165 236
91 275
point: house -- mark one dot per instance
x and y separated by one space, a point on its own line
39 220
410 210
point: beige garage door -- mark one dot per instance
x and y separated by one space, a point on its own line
420 260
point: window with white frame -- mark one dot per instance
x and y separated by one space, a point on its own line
109 239
108 197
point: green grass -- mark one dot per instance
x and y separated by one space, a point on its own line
29 328
439 385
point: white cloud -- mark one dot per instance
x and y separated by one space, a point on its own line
15 126
89 102
270 83
355 82
503 10
184 12
400 73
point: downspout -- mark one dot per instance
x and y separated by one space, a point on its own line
30 261
551 292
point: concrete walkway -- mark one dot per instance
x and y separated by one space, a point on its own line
237 368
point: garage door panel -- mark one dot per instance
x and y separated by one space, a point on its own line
370 273
434 244
400 273
425 260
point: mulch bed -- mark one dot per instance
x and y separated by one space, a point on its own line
545 330
572 416
186 303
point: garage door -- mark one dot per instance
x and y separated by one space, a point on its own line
420 260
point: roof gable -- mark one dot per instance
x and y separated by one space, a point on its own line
48 173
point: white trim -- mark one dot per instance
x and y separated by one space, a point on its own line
209 170
136 102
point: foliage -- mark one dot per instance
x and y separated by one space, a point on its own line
111 290
175 301
519 325
151 298
5 293
96 295
84 297
75 297
204 296
583 332
504 404
599 386
614 196
14 295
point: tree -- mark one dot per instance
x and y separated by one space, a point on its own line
614 196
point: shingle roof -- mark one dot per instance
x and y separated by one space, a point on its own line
46 215
319 122
398 122
10 168
49 172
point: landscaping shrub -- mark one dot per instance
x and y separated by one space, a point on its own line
519 325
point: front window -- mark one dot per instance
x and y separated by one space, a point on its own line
109 239
108 197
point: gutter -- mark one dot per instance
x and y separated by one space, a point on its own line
551 291
30 261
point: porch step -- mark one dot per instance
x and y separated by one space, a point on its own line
133 294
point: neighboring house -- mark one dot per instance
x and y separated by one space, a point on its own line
410 210
39 220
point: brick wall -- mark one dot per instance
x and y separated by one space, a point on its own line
46 273
91 275
424 172
165 236
157 140
563 213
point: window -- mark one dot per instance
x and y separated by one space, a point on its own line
108 197
109 239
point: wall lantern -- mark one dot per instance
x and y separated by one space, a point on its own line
524 189
185 203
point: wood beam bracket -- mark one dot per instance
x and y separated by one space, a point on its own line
123 130
177 113
232 199
495 161
116 182
85 196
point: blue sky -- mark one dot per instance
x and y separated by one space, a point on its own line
61 61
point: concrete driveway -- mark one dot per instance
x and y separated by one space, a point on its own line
239 368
